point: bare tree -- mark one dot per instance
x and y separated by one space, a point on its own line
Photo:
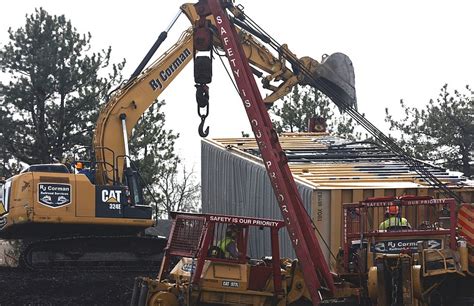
172 187
178 191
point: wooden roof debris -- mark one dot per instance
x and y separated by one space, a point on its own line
323 160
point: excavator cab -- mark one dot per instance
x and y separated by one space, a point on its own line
199 268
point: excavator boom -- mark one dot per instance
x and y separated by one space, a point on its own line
133 100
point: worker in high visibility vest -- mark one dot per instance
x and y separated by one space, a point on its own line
228 245
393 219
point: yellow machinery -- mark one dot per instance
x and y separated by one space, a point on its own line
99 220
195 271
425 262
70 222
421 262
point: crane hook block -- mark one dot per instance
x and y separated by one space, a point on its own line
202 95
202 70
202 98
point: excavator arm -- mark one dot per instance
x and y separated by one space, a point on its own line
128 103
131 101
335 70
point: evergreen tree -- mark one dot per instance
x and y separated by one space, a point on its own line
51 101
305 103
442 132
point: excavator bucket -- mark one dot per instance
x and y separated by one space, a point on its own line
334 77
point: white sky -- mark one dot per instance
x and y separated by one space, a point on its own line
400 50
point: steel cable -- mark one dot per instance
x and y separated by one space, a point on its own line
383 140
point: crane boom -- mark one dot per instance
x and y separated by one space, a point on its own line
302 236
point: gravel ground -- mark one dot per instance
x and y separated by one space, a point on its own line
19 287
22 287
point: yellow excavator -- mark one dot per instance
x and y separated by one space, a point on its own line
68 219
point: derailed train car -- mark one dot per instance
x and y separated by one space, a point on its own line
328 170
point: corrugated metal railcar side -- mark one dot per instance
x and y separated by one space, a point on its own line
234 186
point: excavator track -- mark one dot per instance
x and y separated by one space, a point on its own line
95 253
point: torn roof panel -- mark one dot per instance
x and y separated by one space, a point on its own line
327 161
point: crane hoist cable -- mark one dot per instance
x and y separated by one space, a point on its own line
382 140
226 69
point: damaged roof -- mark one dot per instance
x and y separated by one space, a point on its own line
323 160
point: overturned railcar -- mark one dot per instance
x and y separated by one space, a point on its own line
328 171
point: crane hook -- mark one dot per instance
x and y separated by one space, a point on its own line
202 132
202 98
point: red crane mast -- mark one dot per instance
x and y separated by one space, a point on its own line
302 235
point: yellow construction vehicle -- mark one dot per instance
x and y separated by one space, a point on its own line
408 251
66 221
98 219
422 262
196 270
